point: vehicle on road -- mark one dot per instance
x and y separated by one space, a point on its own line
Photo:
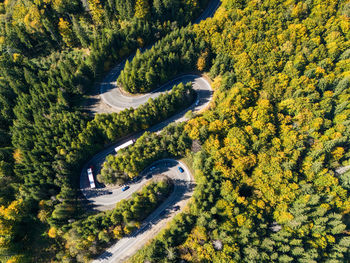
180 169
176 208
126 187
163 213
124 145
120 249
136 179
91 178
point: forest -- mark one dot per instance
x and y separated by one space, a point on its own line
268 189
267 186
51 53
176 53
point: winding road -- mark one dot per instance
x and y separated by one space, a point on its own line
177 200
112 95
105 198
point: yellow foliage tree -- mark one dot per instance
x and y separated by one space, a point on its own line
338 153
96 11
17 155
52 232
202 61
9 218
16 259
142 9
118 232
194 243
27 14
66 32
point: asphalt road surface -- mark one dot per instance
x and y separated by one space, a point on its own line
182 192
111 94
103 198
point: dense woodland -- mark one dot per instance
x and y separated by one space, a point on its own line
176 53
278 129
51 53
267 187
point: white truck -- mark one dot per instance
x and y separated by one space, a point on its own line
91 178
124 145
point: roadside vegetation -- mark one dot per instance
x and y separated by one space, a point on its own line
51 53
108 128
267 190
88 237
172 142
175 54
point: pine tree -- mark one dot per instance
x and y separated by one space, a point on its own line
80 32
158 7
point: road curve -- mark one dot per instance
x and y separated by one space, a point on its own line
127 246
112 95
118 100
104 199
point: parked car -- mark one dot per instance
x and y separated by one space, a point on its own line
126 187
176 208
180 169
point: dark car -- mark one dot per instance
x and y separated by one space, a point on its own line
148 176
176 208
136 179
126 187
181 170
163 213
